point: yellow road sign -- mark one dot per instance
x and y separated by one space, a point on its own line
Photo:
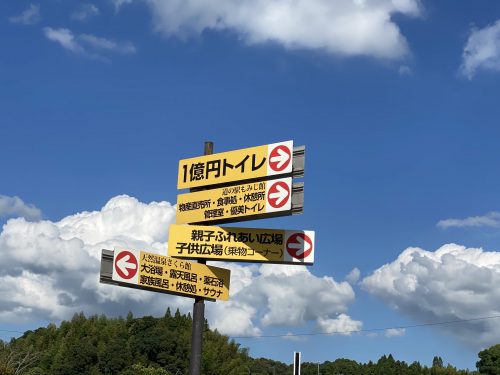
244 164
241 244
236 202
170 275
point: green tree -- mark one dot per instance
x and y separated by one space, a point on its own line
489 361
139 369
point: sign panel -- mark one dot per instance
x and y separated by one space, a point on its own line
170 275
236 202
241 244
244 164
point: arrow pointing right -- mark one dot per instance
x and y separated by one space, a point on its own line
280 195
299 246
281 159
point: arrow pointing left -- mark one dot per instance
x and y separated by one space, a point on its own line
124 265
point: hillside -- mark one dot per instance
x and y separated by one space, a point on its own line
98 345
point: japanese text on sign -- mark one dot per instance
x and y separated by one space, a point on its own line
237 244
244 164
177 276
233 202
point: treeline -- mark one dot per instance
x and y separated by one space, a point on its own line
386 365
161 346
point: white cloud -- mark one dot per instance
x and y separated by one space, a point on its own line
353 276
84 12
482 50
405 70
118 3
65 38
50 270
282 295
452 283
293 337
107 44
342 325
15 207
395 332
339 27
491 219
29 17
94 45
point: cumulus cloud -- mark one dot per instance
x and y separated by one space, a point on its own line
451 283
292 296
93 45
353 276
15 207
29 17
395 332
50 270
491 219
482 50
342 325
339 27
85 11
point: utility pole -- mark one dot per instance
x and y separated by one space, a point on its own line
198 312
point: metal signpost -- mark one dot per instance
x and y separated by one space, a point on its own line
245 184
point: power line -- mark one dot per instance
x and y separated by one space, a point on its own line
368 329
347 331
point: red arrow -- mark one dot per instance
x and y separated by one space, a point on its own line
126 265
279 158
278 194
299 245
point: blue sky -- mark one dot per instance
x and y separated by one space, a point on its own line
395 101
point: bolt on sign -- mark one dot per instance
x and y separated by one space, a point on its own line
170 275
241 244
239 165
236 202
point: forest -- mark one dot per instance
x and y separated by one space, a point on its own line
98 345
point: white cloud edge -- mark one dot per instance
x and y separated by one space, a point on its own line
85 11
16 207
337 27
29 16
87 45
394 332
481 51
424 286
491 219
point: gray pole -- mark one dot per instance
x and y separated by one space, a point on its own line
198 313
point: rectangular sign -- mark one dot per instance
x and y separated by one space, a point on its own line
244 164
169 275
236 202
241 244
